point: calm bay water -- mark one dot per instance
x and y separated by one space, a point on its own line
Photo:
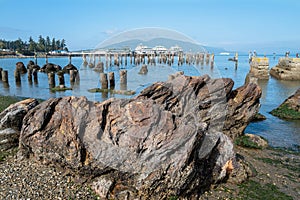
280 133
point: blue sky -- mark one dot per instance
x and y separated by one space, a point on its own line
264 25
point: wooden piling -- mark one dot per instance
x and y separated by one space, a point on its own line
111 77
72 76
29 73
35 75
1 73
103 81
70 59
51 79
61 79
100 67
144 69
35 59
123 79
5 76
17 75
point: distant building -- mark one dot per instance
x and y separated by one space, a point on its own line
159 49
58 52
175 49
141 49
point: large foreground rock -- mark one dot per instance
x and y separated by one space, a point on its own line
290 108
167 141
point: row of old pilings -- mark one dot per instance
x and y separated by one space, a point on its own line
104 80
33 73
74 77
115 59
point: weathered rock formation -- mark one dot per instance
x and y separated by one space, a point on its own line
165 142
290 108
69 67
50 67
20 67
259 68
99 67
31 65
11 122
287 69
143 70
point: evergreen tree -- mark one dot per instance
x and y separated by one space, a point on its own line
62 44
57 45
53 44
32 45
41 44
48 44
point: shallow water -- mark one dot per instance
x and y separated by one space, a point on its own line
280 133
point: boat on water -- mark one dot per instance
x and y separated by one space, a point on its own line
224 53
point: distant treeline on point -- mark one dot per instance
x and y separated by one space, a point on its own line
30 47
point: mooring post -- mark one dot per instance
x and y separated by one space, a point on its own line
212 60
123 79
1 69
111 77
5 76
77 76
144 69
72 76
30 75
46 58
61 79
35 75
17 75
70 59
100 67
103 80
35 58
207 58
51 79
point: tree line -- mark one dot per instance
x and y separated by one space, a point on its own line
31 46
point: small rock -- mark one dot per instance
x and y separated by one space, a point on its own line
258 140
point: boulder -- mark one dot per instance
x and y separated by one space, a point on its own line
12 116
290 108
257 140
165 142
11 122
20 67
9 138
287 69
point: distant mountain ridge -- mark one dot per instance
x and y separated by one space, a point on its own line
186 46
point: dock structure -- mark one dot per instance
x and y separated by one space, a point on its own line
121 59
